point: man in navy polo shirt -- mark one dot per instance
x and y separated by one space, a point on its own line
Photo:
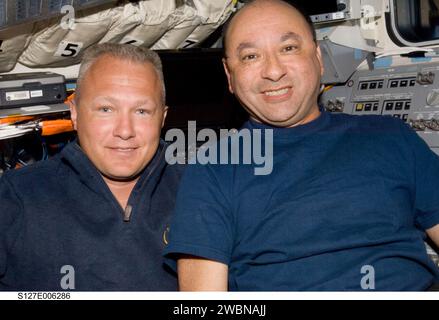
95 216
347 203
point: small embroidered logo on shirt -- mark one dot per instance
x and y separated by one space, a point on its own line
165 235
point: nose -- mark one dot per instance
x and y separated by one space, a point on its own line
273 69
124 127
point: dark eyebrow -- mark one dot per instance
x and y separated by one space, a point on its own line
244 45
287 36
290 36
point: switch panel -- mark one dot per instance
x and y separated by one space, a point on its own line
407 92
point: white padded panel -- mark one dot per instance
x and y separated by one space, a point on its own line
57 46
13 44
213 14
182 23
153 19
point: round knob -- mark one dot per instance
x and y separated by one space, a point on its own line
433 98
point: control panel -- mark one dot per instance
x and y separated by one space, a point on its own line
408 92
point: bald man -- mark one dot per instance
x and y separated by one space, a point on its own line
348 201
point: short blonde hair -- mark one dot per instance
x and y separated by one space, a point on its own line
126 52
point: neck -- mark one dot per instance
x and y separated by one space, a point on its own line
311 116
121 189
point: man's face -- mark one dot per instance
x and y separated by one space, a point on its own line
119 116
273 65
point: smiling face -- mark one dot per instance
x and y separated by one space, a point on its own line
119 116
273 64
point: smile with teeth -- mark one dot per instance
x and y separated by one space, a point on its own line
275 93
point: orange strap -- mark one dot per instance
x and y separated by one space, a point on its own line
14 119
51 127
70 98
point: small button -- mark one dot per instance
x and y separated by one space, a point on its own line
373 85
399 105
403 83
405 117
408 105
389 106
368 107
359 107
393 84
412 82
380 85
375 106
363 86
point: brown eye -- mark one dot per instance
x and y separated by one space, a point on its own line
142 111
249 57
104 109
289 48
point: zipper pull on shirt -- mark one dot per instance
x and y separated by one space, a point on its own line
127 213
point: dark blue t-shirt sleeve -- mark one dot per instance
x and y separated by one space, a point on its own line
426 180
10 215
202 221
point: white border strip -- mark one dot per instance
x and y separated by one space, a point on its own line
228 295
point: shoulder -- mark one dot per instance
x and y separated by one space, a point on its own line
384 134
176 169
377 122
39 172
173 172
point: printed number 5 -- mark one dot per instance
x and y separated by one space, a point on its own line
68 49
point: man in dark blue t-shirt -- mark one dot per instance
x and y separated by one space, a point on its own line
347 202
